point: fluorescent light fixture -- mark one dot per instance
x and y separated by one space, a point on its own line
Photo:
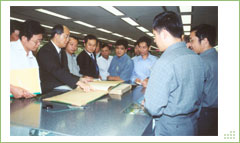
127 38
117 35
100 38
52 13
130 21
186 28
111 41
17 19
150 34
113 10
46 26
130 45
186 19
104 30
142 29
84 24
185 9
133 40
186 33
154 47
84 34
74 32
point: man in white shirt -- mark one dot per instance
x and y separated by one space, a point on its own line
21 53
71 57
104 61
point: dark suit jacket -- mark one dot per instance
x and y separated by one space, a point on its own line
87 64
52 72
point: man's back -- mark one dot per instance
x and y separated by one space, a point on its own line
177 84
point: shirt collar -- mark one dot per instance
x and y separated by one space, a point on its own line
57 48
20 47
208 51
88 53
174 46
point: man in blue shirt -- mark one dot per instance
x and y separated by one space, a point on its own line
143 63
202 41
174 92
121 66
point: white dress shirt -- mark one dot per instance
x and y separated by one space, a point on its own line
103 65
19 58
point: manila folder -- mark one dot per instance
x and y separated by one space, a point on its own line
27 79
77 97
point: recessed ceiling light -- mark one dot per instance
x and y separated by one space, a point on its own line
46 26
74 32
52 13
17 19
130 21
185 8
186 33
186 27
104 30
142 29
150 34
117 35
113 10
186 19
84 24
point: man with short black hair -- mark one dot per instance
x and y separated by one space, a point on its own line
143 63
15 27
136 50
31 35
174 92
121 66
202 42
71 48
86 60
104 61
52 60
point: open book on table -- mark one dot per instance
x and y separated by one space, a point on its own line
79 98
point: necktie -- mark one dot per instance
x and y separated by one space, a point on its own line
92 56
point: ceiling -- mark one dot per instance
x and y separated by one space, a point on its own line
101 18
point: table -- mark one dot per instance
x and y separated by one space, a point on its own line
99 118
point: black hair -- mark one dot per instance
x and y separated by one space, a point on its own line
30 28
90 37
14 25
74 37
169 21
135 44
206 31
123 42
187 38
57 29
105 45
144 39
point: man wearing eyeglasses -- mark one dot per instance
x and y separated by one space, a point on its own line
53 64
21 53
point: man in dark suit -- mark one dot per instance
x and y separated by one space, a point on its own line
87 58
52 60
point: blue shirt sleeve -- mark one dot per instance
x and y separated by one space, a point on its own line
127 70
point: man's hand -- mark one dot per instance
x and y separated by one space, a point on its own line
145 82
85 86
19 92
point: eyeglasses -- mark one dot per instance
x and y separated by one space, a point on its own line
36 42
